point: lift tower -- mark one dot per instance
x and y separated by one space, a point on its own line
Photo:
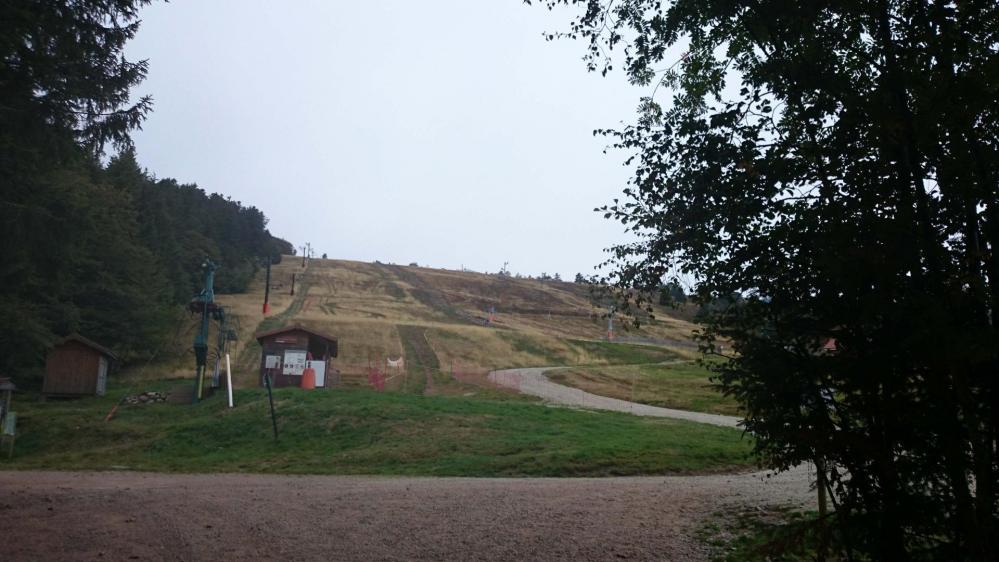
205 305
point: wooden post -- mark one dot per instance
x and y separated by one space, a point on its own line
327 360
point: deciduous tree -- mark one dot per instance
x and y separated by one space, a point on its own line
836 166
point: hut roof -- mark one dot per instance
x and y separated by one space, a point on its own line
5 384
91 344
261 335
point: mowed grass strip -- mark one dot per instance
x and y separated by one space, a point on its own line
624 353
684 386
354 431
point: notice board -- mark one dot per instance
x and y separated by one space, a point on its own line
294 362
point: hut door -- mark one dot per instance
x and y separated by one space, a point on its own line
102 376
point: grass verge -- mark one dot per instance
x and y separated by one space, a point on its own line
353 431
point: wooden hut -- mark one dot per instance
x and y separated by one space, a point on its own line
286 352
77 366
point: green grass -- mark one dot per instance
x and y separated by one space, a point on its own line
352 431
685 386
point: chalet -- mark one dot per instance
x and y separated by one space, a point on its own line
286 352
77 366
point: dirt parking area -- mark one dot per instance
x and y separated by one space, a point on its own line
143 516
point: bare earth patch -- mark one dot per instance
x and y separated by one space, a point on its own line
147 516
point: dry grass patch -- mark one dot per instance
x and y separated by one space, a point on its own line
684 386
362 303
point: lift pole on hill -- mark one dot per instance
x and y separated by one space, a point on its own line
267 287
306 253
205 304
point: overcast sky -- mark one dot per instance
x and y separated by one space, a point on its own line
445 132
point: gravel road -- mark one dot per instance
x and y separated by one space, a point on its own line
146 516
534 382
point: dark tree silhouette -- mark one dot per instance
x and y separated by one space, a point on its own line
834 166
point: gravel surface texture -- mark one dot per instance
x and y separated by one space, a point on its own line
534 382
147 516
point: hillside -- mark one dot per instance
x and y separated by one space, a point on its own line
436 319
440 415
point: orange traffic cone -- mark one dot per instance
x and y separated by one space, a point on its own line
309 378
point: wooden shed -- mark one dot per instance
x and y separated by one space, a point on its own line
286 352
77 366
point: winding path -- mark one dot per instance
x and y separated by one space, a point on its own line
532 380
